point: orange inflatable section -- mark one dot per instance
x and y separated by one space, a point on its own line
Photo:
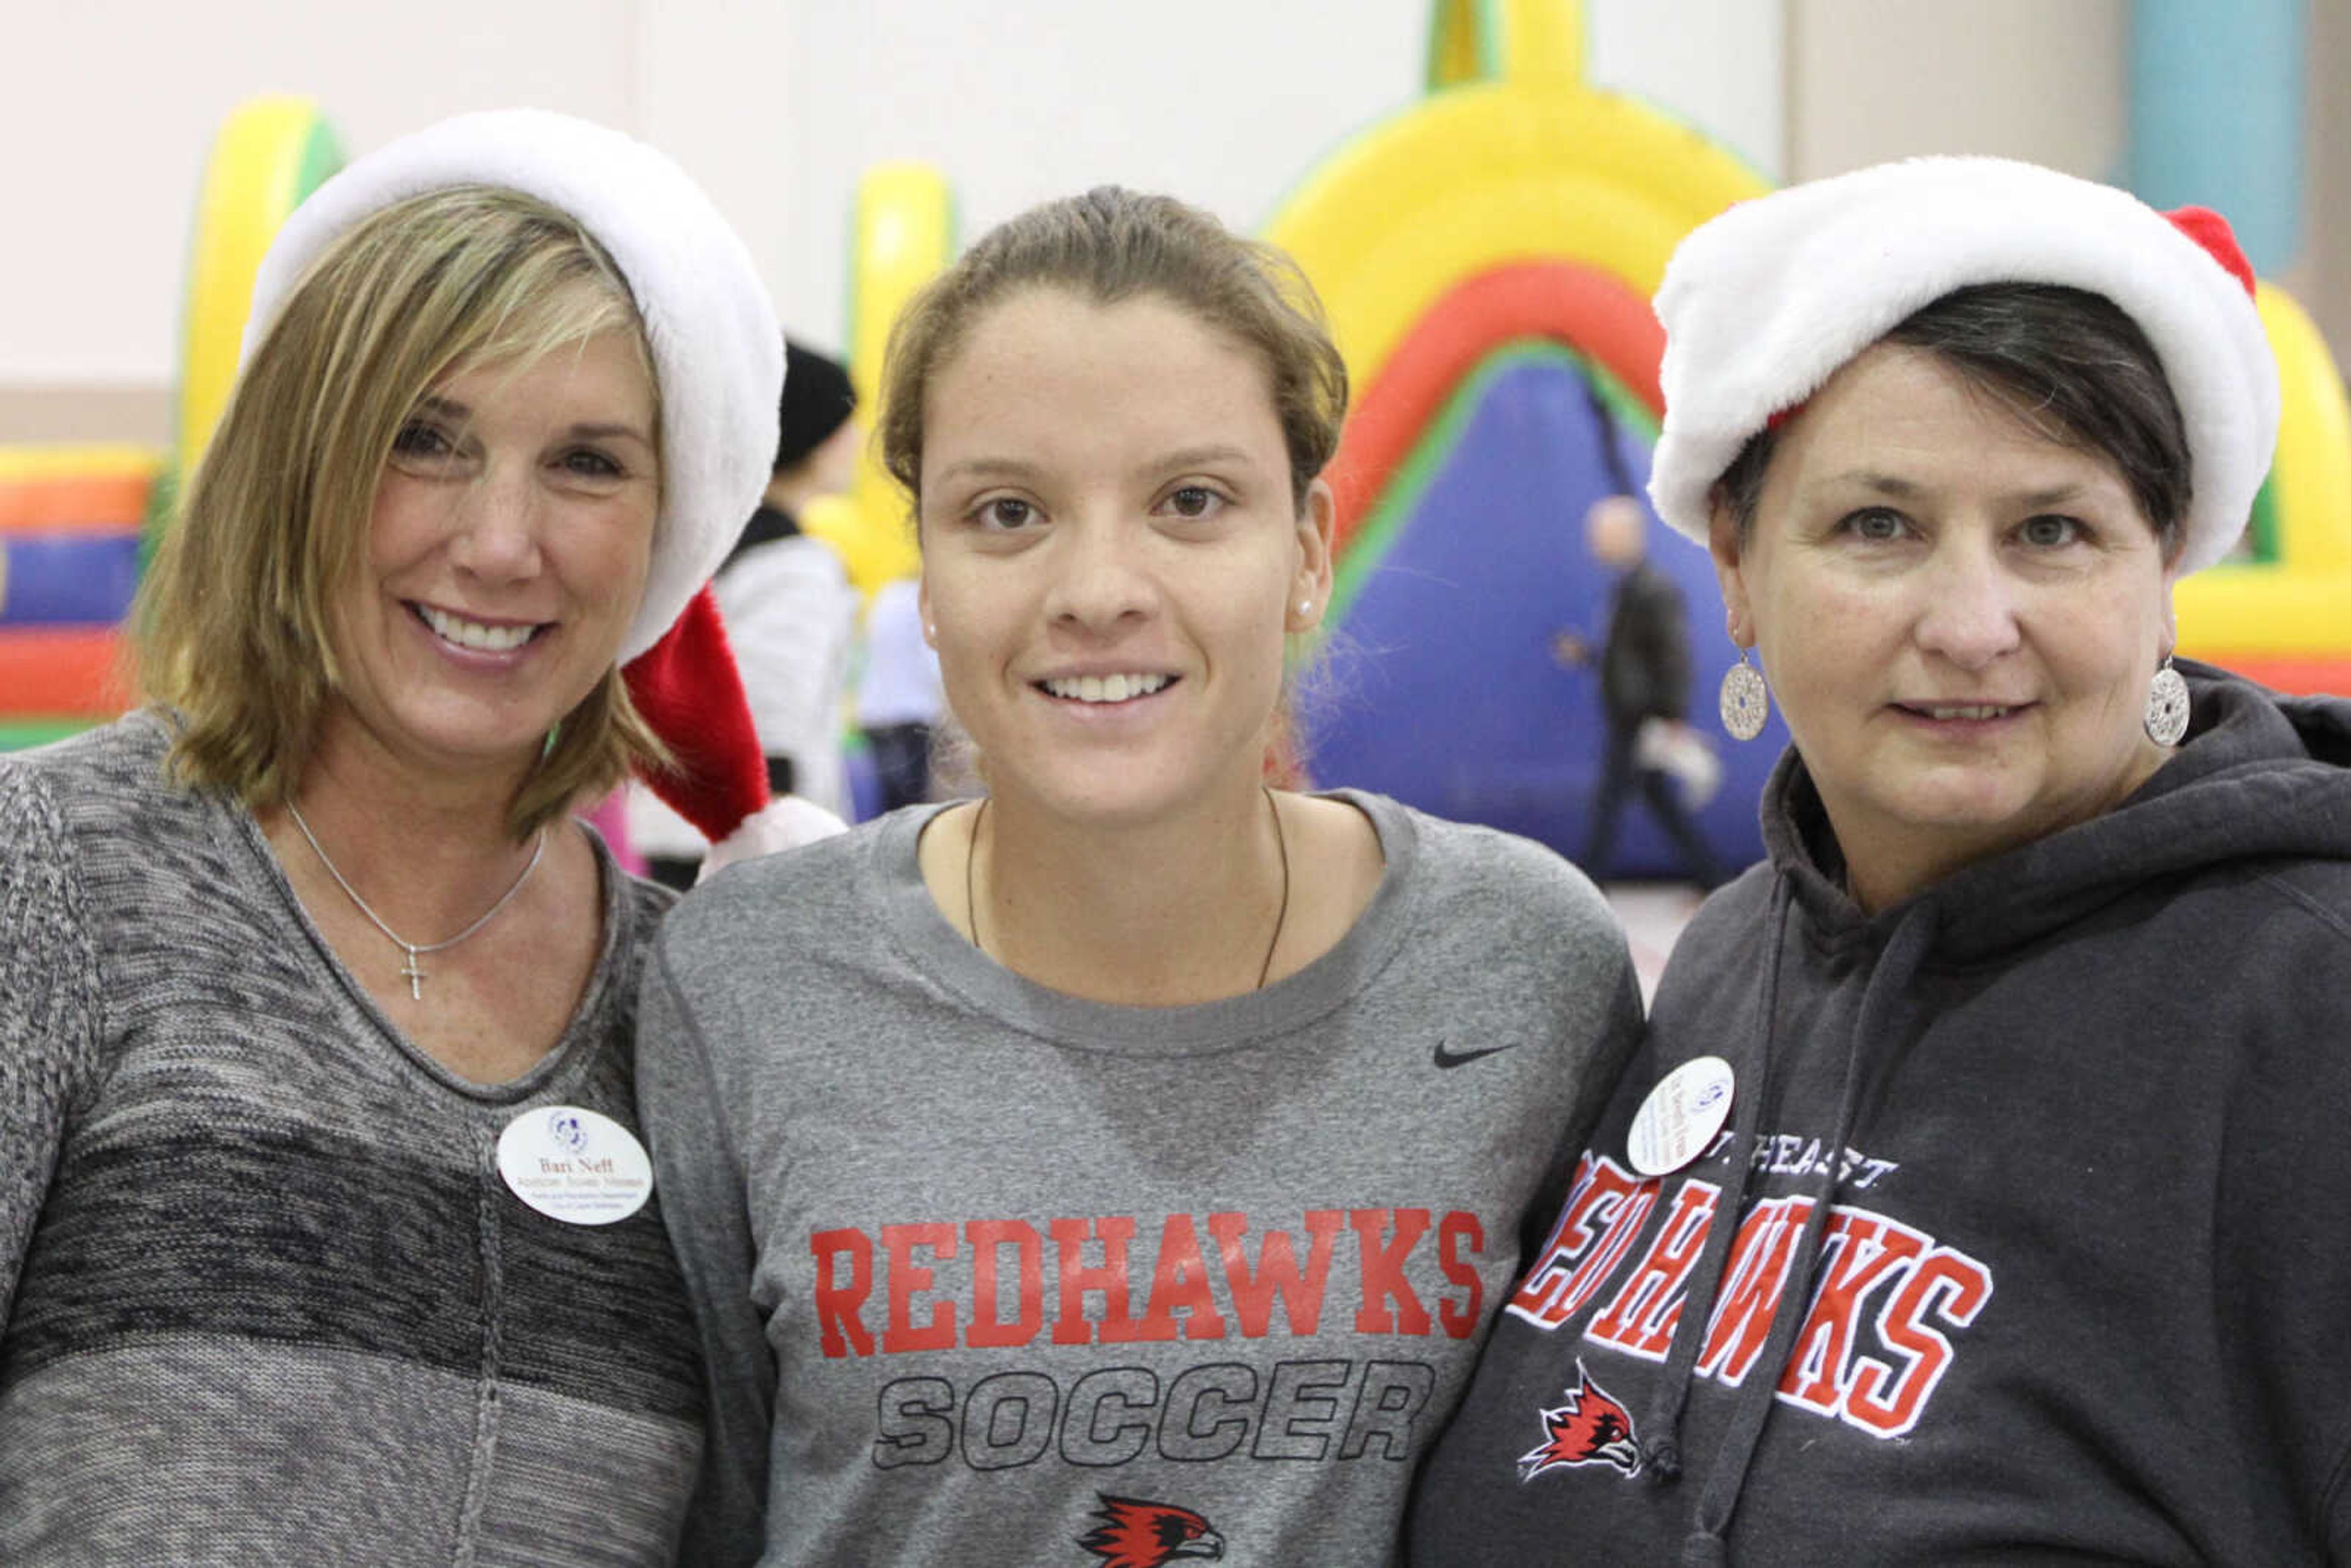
1591 312
64 672
100 503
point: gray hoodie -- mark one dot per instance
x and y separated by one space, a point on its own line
2043 1252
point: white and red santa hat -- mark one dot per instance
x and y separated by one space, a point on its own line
1764 303
718 355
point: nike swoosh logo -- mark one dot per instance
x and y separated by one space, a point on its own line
1444 1058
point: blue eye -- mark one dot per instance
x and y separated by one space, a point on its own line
1875 524
586 463
2049 531
421 439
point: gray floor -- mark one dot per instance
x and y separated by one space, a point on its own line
1654 913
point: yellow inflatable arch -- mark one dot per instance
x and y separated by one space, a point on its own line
1514 157
74 521
903 234
1511 157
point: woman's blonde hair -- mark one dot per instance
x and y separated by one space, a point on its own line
232 623
1110 245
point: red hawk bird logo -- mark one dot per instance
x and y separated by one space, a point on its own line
1591 1428
1137 1534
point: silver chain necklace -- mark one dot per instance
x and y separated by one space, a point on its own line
411 971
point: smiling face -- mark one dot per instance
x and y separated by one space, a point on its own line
1110 555
506 554
1958 616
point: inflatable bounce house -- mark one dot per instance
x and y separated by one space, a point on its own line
1487 256
75 520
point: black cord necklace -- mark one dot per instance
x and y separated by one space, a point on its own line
1280 917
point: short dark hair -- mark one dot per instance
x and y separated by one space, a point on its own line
2071 364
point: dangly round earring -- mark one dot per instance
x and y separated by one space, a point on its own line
1745 701
2166 705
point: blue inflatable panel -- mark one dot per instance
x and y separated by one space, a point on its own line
1441 689
67 579
2217 89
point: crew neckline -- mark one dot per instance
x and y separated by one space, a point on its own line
925 937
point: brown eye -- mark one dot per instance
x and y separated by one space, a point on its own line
1006 512
1194 501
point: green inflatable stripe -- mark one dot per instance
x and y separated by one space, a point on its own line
17 733
322 156
321 159
1447 19
1401 498
2262 529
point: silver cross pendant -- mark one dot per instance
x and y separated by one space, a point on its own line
415 975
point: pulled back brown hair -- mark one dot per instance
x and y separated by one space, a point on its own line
1110 245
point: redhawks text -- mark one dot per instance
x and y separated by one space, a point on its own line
1872 1349
878 1292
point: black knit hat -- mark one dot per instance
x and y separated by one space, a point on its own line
818 400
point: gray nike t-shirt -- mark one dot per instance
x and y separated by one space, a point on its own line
987 1273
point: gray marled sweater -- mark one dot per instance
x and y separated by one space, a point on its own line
263 1295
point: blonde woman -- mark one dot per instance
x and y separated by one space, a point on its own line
323 1231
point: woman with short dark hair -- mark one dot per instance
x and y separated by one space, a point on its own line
1975 1195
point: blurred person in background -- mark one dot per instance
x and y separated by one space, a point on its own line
899 698
791 615
1644 679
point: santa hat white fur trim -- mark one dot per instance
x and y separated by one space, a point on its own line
716 347
1764 303
786 823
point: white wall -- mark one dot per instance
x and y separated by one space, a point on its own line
775 107
1719 64
2039 79
1228 103
111 105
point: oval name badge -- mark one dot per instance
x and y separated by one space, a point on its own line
576 1165
1680 1117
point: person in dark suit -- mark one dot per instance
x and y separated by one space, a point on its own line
1644 677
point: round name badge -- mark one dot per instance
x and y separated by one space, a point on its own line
576 1165
1680 1117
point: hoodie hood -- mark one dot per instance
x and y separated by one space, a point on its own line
2023 1238
2258 775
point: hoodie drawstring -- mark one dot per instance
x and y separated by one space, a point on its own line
1707 1544
1661 1453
